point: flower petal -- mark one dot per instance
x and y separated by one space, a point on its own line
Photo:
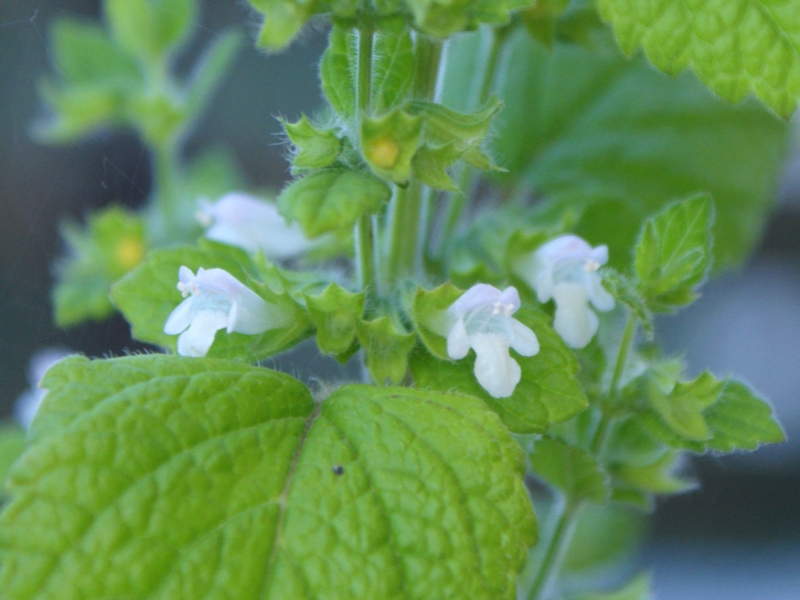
197 339
457 341
599 296
478 295
574 322
180 318
510 296
251 314
523 340
495 370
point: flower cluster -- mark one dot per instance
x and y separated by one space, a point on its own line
565 270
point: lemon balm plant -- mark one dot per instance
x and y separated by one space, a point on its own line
515 200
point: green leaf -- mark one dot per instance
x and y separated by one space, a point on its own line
210 71
385 349
683 409
148 295
674 253
86 55
603 536
547 393
12 443
738 420
429 315
656 478
78 111
624 290
574 472
393 65
335 313
611 139
332 200
734 46
149 30
741 420
202 479
388 144
109 246
639 588
315 148
337 71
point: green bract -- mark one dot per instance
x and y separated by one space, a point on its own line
210 478
735 46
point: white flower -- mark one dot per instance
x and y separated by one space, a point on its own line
28 403
247 222
481 319
565 269
216 300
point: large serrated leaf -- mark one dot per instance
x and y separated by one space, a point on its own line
163 477
613 141
734 46
547 393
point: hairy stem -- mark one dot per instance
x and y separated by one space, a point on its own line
364 231
405 212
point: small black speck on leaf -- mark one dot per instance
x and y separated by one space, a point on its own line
338 470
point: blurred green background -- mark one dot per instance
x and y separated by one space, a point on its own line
739 537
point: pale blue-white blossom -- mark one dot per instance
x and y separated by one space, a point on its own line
28 403
253 224
565 269
214 300
481 319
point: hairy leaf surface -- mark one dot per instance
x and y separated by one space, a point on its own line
735 46
164 477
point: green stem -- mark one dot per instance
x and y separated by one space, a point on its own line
556 548
165 211
481 87
606 420
364 231
622 356
365 259
405 212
